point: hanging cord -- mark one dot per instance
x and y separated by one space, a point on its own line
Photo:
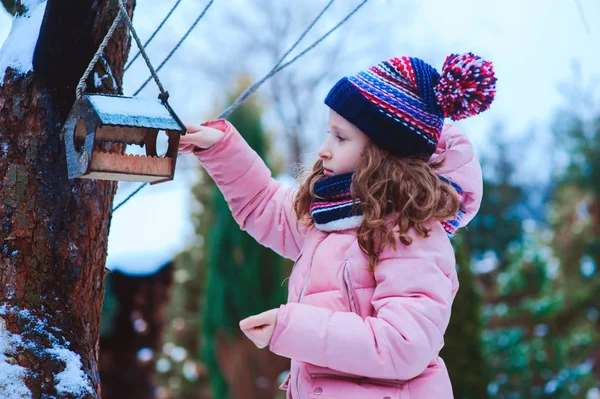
164 96
582 16
176 46
81 85
306 50
276 69
153 34
249 91
137 190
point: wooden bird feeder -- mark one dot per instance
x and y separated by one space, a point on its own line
97 120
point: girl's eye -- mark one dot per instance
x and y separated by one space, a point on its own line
340 138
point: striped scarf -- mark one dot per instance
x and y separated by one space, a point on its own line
335 210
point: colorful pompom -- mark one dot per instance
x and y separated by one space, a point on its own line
466 87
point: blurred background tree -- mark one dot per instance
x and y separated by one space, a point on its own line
468 369
541 310
224 277
131 332
243 278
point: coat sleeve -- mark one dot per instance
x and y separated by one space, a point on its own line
412 302
260 205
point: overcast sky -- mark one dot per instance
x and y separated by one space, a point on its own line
533 44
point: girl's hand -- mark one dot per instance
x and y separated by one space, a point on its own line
198 137
259 328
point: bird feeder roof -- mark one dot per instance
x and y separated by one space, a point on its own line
133 111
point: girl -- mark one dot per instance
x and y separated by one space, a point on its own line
372 287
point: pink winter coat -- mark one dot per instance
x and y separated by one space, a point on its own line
351 334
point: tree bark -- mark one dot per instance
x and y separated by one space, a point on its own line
54 230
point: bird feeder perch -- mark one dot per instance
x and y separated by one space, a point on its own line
97 120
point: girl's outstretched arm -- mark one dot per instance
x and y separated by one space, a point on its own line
261 205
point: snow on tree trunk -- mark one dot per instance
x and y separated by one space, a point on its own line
54 231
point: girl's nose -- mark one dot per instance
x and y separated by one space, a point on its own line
324 153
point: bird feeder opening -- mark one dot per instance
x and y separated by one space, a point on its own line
98 122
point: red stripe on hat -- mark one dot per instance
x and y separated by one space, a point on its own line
403 84
404 66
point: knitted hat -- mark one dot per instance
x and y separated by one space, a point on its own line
401 103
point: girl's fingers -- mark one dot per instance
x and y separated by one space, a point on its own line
188 138
186 148
245 324
250 322
261 319
258 335
191 128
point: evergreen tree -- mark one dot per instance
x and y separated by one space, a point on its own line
223 277
498 222
496 225
462 352
542 318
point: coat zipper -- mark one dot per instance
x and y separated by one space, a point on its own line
308 276
293 269
349 290
300 298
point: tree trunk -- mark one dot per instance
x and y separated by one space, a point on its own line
128 354
54 230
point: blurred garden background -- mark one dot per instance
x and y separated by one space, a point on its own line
526 320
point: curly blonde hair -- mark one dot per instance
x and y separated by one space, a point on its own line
410 185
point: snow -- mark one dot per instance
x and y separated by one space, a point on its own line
131 106
109 74
149 230
133 111
12 384
71 380
98 80
147 262
17 51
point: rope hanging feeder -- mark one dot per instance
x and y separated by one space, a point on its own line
98 120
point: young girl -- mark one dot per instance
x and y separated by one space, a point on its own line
372 287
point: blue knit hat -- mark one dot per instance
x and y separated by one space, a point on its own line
401 103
